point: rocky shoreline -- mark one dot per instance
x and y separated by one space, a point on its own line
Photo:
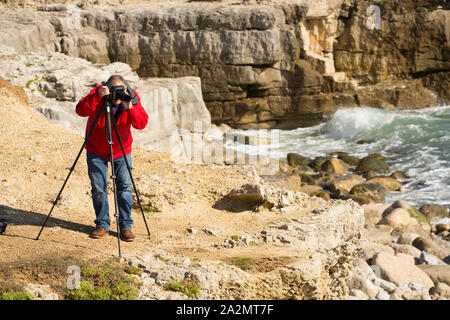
405 249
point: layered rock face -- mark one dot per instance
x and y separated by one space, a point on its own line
279 64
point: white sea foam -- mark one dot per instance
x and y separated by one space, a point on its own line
418 141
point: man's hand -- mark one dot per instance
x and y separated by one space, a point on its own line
103 91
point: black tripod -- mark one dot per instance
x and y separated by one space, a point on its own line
107 108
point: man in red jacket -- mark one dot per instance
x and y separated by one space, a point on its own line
126 114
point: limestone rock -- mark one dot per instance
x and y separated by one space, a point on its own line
371 249
406 248
363 284
388 183
295 160
396 269
371 191
431 247
407 238
372 164
396 218
346 182
434 212
437 273
248 193
377 236
413 213
335 165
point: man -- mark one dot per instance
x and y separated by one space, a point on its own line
126 114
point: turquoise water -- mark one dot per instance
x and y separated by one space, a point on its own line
416 141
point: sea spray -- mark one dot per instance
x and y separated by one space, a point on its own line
416 142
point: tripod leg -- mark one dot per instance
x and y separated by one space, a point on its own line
71 170
113 177
131 176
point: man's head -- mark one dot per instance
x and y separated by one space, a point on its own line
113 81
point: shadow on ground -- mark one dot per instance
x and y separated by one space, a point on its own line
233 205
21 217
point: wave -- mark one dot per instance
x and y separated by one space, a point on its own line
416 141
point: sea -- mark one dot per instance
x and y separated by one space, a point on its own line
416 142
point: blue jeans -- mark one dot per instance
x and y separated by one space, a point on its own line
98 171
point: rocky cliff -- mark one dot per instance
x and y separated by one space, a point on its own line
275 64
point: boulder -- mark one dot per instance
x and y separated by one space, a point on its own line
399 175
365 285
407 249
361 268
322 194
335 165
350 160
248 193
439 274
372 215
428 258
317 163
371 249
377 236
407 238
413 213
346 182
399 269
442 227
430 246
371 191
434 212
372 164
295 160
396 218
412 228
388 183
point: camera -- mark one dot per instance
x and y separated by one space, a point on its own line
118 93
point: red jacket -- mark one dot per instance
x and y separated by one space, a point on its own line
97 143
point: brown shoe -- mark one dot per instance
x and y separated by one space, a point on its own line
127 235
99 233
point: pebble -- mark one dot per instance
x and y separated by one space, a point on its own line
210 232
382 295
385 285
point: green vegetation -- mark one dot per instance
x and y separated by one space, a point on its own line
133 270
244 263
234 237
106 282
414 213
187 286
149 209
20 295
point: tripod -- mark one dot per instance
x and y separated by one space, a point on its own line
106 107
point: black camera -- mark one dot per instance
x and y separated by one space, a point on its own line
118 93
